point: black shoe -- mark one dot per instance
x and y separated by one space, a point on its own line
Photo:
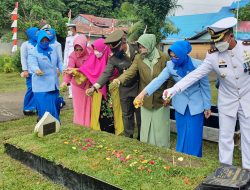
131 136
29 112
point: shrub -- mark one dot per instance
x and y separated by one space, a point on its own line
9 64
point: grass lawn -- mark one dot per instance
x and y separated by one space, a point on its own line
11 82
101 159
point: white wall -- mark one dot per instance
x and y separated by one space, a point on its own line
191 7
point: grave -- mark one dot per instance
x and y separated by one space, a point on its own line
227 177
47 125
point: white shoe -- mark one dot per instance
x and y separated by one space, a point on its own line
70 96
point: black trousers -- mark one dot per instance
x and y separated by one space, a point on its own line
128 112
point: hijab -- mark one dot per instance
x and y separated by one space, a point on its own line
32 37
149 42
43 47
183 65
52 35
81 41
94 66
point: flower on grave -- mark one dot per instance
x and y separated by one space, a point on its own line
88 145
152 162
122 159
132 164
118 155
65 142
149 170
166 167
136 151
186 180
144 161
128 157
180 159
141 167
88 140
84 148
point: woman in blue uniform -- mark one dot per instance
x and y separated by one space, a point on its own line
190 105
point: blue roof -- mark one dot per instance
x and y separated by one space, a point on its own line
242 3
191 25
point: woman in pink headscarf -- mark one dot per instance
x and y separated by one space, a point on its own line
106 110
81 102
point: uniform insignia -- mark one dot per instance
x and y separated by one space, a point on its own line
246 42
212 50
222 62
222 66
223 75
246 63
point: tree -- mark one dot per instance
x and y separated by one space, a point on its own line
244 13
96 7
32 11
150 14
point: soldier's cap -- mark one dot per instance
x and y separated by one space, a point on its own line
114 39
220 28
70 25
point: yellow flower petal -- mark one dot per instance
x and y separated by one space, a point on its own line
180 159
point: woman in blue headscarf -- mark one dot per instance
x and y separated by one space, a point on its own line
190 105
29 107
54 43
45 63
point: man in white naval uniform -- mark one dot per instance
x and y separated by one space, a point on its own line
230 60
69 48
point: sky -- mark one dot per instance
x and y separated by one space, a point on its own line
200 6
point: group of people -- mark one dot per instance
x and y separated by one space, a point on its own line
110 78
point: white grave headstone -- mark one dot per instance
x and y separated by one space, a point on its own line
47 125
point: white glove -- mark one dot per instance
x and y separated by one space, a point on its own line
169 93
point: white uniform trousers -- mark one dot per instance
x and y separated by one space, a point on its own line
226 141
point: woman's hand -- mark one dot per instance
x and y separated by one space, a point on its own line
166 102
90 91
69 70
207 113
39 72
114 84
138 101
63 85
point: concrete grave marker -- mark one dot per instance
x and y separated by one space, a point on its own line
47 125
227 177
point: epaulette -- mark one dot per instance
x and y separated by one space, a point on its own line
246 42
212 50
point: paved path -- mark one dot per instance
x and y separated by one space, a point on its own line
11 104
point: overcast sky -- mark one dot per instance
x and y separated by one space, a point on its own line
201 6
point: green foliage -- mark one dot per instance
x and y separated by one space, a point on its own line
31 12
9 64
96 7
16 60
244 13
147 14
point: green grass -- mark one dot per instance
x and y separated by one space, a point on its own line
13 174
11 82
100 160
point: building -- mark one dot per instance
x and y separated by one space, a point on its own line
95 27
193 28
